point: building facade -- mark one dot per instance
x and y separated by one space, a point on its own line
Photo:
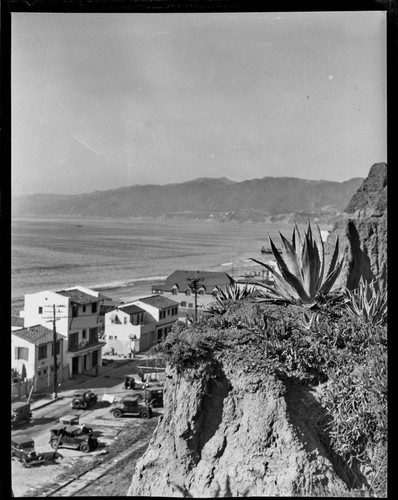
138 325
188 287
76 311
33 347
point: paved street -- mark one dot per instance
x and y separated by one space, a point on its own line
46 413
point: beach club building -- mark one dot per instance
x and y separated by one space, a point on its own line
138 325
77 313
33 347
182 286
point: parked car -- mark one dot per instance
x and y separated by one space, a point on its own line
154 396
70 436
74 420
83 399
130 382
131 405
23 449
20 412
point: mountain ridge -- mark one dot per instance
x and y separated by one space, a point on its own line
203 198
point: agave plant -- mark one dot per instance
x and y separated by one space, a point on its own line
367 302
302 277
224 295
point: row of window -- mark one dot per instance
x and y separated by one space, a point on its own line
173 311
188 291
44 372
75 309
190 305
73 338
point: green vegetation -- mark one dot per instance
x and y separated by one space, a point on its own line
367 302
302 278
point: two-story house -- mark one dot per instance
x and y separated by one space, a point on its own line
138 325
76 310
34 347
186 287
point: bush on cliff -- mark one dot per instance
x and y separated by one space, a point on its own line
347 356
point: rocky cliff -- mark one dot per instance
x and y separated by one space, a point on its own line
232 432
363 232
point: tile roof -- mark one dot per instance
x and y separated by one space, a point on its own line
79 297
37 334
131 309
158 301
208 279
17 321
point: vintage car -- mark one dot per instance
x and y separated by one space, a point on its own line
154 396
20 412
130 382
74 420
70 436
131 406
23 449
83 399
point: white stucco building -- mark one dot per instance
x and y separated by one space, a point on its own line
138 325
33 347
77 320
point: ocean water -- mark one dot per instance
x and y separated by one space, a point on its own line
122 258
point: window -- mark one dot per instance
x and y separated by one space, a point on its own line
110 337
42 351
183 304
125 321
84 334
73 340
168 312
45 370
174 291
40 310
75 310
57 348
190 304
94 307
201 292
84 309
93 335
115 337
188 291
22 353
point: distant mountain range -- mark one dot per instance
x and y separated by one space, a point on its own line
270 198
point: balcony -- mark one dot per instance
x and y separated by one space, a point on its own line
85 346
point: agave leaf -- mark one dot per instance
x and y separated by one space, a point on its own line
310 266
334 258
321 254
331 278
299 243
290 257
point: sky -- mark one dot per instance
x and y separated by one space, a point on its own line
101 101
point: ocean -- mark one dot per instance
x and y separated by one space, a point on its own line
123 258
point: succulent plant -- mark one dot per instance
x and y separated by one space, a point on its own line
367 302
302 277
223 296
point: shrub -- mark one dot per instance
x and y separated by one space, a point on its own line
302 278
367 302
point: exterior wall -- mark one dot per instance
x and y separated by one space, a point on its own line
121 334
38 369
66 324
30 364
181 298
46 300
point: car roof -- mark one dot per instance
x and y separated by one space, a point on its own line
22 439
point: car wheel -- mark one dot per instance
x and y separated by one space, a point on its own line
144 414
54 444
117 413
84 447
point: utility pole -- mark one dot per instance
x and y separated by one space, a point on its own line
54 319
194 283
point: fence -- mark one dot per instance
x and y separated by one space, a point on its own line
20 389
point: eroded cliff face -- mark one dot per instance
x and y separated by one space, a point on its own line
363 233
230 433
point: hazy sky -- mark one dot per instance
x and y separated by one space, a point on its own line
107 100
